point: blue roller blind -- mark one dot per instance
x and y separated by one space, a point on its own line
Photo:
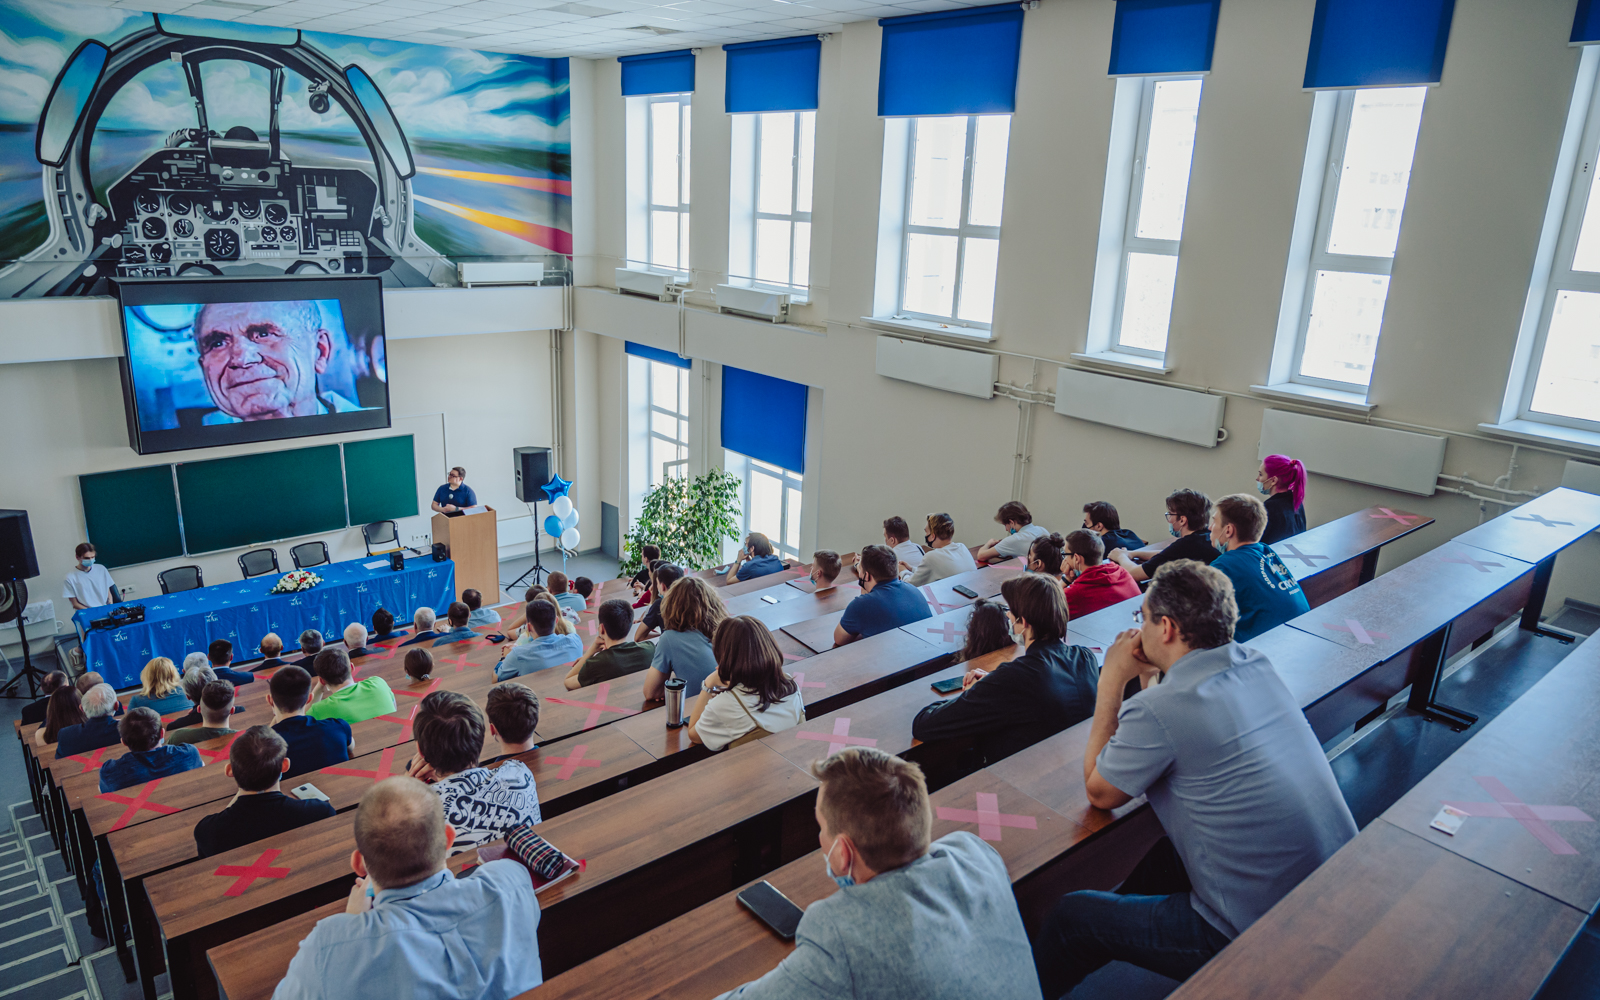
1377 43
764 417
656 354
775 75
658 73
1163 36
1586 23
954 62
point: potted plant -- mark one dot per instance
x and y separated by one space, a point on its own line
688 519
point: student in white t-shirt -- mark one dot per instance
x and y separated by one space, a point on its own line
89 584
748 696
897 535
945 556
1020 533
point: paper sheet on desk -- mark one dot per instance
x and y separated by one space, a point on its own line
375 564
474 510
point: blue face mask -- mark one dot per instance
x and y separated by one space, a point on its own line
845 881
87 562
1174 529
1262 489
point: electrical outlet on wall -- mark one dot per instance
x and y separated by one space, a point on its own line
125 591
420 539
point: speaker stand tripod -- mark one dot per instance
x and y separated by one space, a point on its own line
30 673
538 565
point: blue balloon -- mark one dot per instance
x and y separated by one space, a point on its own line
570 521
552 526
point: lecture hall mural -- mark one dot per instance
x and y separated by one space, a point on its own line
154 145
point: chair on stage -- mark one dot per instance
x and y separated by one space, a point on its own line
258 562
381 537
309 554
180 578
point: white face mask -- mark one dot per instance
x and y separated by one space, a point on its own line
846 880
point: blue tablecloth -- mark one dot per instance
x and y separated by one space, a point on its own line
243 611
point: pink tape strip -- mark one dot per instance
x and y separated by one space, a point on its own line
988 816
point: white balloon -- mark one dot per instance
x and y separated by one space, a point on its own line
569 538
561 506
570 521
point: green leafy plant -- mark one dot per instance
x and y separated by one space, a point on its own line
688 519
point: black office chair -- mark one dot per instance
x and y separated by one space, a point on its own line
180 578
381 536
309 554
258 562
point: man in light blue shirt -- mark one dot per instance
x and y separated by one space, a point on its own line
459 631
755 559
423 933
548 650
561 590
477 614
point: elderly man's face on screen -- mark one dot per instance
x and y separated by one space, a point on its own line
261 359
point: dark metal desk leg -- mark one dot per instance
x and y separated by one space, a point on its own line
1369 566
1428 660
1534 609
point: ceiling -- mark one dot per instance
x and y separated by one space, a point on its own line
588 28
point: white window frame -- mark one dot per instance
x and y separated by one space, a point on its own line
640 164
746 469
654 438
744 215
963 230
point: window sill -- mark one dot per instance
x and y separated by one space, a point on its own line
1534 432
1314 395
1121 359
926 327
798 296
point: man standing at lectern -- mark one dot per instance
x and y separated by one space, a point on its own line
455 495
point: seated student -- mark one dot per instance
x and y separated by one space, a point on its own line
1188 517
691 613
271 646
423 934
160 688
641 580
422 626
482 804
220 655
1020 533
460 631
897 535
1250 811
310 646
755 559
1094 583
513 713
34 712
945 556
911 920
383 627
748 696
99 728
547 650
826 565
418 664
340 696
988 629
197 673
257 763
1101 518
313 743
355 640
147 757
569 601
64 710
517 624
216 708
584 588
662 576
1035 695
1045 556
1266 592
1282 480
566 621
477 614
886 601
613 654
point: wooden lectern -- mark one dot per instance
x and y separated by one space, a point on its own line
474 544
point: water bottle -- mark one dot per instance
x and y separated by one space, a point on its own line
677 717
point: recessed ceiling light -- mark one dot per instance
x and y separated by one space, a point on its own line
654 30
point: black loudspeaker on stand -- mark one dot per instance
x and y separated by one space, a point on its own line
531 466
17 563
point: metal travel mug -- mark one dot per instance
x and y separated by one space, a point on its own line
677 717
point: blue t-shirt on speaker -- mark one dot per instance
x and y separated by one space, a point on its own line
888 605
461 496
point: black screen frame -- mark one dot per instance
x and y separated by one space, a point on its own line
360 299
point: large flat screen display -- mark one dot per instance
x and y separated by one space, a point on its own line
212 362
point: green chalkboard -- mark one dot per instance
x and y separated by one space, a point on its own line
380 479
232 502
132 515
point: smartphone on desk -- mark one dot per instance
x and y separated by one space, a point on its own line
309 791
773 908
949 685
769 599
967 592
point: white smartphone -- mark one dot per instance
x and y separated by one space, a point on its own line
310 791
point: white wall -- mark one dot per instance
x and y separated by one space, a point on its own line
1482 174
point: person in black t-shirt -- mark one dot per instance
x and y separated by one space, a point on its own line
257 762
1282 480
1188 518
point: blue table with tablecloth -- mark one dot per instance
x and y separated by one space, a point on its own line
243 611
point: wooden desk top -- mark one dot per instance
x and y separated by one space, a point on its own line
816 634
882 721
1391 915
1350 537
1539 528
797 608
1105 625
768 582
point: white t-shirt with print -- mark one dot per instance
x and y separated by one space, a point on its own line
483 804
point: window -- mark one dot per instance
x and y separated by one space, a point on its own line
667 389
1362 201
955 186
666 182
770 501
770 241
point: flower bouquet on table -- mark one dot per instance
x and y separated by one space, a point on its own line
300 579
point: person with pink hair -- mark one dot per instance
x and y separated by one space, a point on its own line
1282 480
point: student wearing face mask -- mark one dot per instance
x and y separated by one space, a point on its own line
1188 519
1020 533
89 584
1046 689
945 556
1282 480
1093 583
912 920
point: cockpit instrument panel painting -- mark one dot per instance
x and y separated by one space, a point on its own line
160 146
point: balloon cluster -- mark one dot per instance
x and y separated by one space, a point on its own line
563 524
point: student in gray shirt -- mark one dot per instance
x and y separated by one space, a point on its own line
1231 768
911 920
